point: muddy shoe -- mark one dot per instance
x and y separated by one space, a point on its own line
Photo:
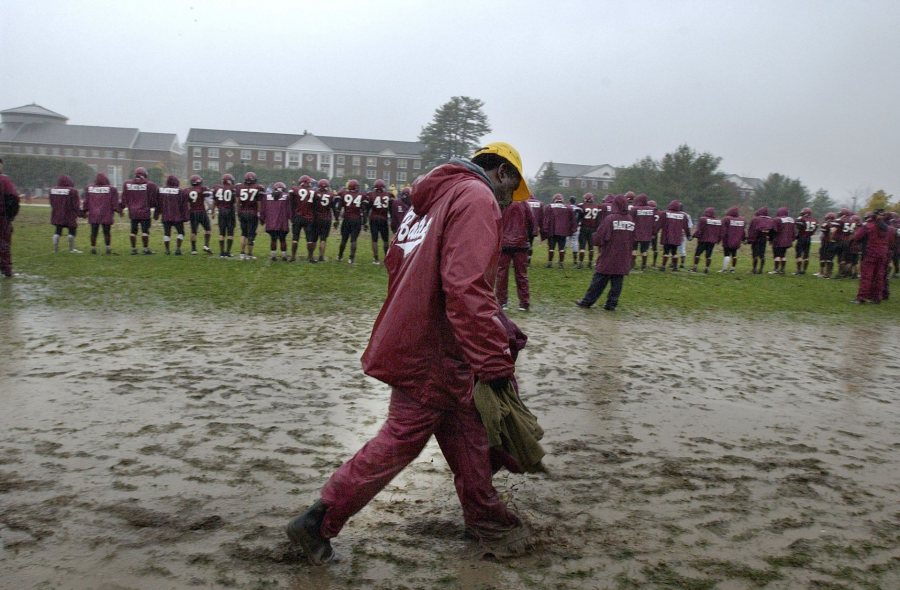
512 543
304 531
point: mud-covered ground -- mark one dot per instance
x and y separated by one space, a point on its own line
168 450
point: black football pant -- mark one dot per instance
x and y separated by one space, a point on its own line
598 285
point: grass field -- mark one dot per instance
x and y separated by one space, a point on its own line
202 282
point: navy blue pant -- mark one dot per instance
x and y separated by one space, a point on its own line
598 284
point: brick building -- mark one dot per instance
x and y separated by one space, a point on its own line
35 130
396 162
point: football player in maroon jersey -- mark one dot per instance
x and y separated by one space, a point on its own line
9 208
302 197
224 195
708 234
590 219
275 213
349 209
644 217
806 226
323 206
197 197
674 228
139 197
65 206
733 235
101 201
249 194
559 224
173 208
399 207
758 235
378 204
894 221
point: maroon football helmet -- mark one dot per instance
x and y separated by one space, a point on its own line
379 184
324 184
305 179
196 180
249 178
353 185
279 187
227 179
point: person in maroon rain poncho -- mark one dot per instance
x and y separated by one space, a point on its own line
708 233
894 222
673 227
399 208
100 203
65 207
758 236
140 196
275 213
734 232
439 330
644 217
9 208
518 224
537 210
559 224
173 208
783 233
615 237
879 240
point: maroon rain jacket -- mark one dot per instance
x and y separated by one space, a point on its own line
439 328
65 206
709 228
734 229
615 237
673 225
784 229
139 196
537 210
518 226
644 217
398 209
761 225
275 211
101 201
559 219
172 204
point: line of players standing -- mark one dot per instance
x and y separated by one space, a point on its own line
310 208
561 222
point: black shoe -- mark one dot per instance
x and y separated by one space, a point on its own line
304 530
609 308
582 304
134 251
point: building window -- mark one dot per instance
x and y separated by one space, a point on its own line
121 155
387 177
95 153
109 153
229 165
261 155
82 153
417 164
339 172
293 160
69 152
401 177
565 182
246 155
356 160
583 184
325 159
339 160
198 152
326 168
212 153
197 165
371 162
370 175
42 150
55 151
401 163
111 172
278 156
213 166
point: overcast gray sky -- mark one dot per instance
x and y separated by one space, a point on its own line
810 89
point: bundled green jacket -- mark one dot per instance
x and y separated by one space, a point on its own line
510 425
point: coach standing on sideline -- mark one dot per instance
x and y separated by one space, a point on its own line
438 331
9 208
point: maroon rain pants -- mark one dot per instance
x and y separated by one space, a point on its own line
872 279
519 260
410 423
5 245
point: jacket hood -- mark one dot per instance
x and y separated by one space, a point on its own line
830 215
674 205
429 187
609 198
65 181
102 179
846 212
172 181
709 212
652 203
762 212
557 198
733 212
620 204
640 200
782 212
805 211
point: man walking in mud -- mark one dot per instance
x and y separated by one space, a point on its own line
437 333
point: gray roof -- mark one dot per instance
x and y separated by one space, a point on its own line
76 135
33 109
283 140
244 138
571 170
162 142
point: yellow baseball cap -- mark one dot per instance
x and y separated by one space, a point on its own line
511 155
